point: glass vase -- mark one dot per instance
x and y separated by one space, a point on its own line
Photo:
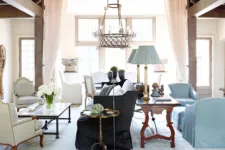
49 101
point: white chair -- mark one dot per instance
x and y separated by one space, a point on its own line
13 131
89 88
24 94
71 92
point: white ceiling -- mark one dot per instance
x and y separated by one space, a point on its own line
129 7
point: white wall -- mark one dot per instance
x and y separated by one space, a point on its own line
208 28
6 40
20 28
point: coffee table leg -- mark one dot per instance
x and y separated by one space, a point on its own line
69 116
57 128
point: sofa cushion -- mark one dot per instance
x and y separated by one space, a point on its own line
177 117
26 100
185 101
24 89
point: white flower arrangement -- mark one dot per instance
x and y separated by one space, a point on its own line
50 89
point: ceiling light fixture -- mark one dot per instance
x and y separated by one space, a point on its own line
114 40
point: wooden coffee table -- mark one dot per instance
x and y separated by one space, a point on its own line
43 113
157 108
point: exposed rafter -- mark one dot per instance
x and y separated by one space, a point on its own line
27 6
8 11
219 12
204 6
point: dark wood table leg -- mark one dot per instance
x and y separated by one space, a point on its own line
169 124
145 125
69 115
57 128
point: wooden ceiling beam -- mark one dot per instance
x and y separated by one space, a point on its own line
8 11
27 6
219 12
204 6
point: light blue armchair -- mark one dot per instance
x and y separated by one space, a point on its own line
204 123
183 92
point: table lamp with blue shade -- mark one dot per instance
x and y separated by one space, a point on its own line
130 59
146 55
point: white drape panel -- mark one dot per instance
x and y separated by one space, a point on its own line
54 15
177 22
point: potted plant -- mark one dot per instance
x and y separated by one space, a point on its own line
121 73
114 69
48 92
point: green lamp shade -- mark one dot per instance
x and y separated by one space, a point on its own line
146 55
131 56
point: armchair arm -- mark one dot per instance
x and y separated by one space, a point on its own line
19 122
25 131
194 94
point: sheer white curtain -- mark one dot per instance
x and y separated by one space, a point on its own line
54 15
177 19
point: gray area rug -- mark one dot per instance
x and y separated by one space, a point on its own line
68 132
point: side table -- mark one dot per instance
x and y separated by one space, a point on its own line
107 113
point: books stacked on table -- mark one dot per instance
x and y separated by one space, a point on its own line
162 99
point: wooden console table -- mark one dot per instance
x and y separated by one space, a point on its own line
157 108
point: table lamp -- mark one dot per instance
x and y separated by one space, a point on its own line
146 55
138 66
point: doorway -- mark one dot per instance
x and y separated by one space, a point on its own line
204 66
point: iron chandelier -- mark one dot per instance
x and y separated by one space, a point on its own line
114 40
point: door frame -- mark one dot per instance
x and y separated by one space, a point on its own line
210 39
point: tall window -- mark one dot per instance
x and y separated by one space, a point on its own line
115 57
143 29
27 58
92 60
86 27
88 59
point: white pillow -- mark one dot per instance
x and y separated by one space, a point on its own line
128 86
117 91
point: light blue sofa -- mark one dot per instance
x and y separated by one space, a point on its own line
183 92
204 123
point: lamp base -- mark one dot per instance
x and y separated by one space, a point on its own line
140 89
146 98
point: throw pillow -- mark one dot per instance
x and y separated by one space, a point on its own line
117 90
24 89
128 86
105 90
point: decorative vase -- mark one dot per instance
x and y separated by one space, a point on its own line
114 69
49 101
121 75
71 65
110 76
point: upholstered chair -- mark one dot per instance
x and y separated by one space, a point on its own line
24 94
14 131
204 122
90 90
71 92
183 92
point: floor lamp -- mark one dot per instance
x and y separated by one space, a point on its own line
146 55
138 66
